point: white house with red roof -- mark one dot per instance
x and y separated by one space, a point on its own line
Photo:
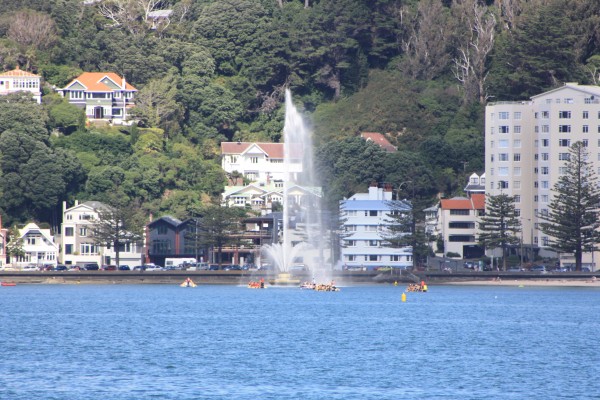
39 247
18 80
258 162
105 96
458 219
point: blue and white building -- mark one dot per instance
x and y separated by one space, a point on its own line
365 219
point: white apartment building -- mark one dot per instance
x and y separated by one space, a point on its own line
458 224
38 247
78 247
527 144
365 218
18 80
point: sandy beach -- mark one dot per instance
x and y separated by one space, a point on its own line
584 282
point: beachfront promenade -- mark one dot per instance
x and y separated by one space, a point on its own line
340 277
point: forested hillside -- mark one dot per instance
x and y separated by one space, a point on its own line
215 70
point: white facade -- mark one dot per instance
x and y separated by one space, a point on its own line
365 216
257 162
18 80
78 246
38 245
526 145
458 222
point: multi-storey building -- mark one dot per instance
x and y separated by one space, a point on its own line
458 223
18 80
105 96
78 245
526 147
365 217
258 162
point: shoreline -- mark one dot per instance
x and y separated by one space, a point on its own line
583 282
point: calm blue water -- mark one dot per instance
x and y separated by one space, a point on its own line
225 342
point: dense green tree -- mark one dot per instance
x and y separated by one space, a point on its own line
573 219
524 63
219 227
119 223
20 113
499 227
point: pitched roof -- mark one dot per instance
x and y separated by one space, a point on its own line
475 202
92 81
18 73
380 140
273 150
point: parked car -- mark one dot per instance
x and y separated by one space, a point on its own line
213 267
538 268
30 268
233 267
109 268
124 268
60 267
139 268
152 268
91 267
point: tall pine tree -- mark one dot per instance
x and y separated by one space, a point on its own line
500 225
572 221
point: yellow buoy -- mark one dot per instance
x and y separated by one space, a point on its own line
395 283
403 297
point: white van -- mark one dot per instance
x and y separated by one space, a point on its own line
171 263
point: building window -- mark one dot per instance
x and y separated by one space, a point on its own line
544 198
372 243
502 171
517 198
161 230
461 225
69 231
517 184
517 157
544 240
564 128
545 184
517 171
254 160
517 115
545 114
503 129
535 198
517 128
545 128
68 249
350 243
503 115
562 170
459 212
545 142
585 142
564 114
564 156
544 170
502 184
586 114
83 231
568 100
373 257
492 158
87 249
503 157
536 129
545 156
564 142
351 228
503 144
517 143
586 128
372 213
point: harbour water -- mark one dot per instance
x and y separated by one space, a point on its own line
229 342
